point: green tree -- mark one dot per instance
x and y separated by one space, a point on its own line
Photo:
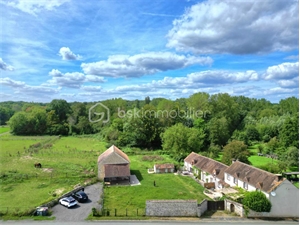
289 105
61 108
181 140
235 150
257 201
291 156
289 133
252 133
218 131
18 123
147 100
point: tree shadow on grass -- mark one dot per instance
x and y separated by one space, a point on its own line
137 173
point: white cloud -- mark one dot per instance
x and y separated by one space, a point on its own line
207 78
11 83
93 78
142 64
294 83
22 88
282 71
223 77
91 88
237 27
35 6
5 66
67 54
71 80
279 90
55 73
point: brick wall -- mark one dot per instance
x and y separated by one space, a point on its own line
172 208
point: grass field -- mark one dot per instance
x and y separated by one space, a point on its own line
168 186
66 161
4 129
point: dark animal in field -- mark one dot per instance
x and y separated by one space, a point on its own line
38 165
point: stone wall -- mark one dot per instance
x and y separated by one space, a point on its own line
172 208
236 207
202 208
55 201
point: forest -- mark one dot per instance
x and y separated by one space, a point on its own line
203 123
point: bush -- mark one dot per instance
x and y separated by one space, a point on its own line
257 201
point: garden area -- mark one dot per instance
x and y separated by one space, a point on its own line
167 186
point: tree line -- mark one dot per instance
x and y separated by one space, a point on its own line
200 123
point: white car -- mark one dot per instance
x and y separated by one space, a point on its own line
68 202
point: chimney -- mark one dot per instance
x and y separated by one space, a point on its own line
278 177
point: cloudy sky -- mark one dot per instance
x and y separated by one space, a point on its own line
100 49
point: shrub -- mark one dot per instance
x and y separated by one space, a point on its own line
257 201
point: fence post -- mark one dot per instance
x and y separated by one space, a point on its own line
126 211
115 212
137 212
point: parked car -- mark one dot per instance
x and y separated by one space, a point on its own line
80 196
68 202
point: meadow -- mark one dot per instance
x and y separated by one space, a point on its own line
4 129
66 162
71 161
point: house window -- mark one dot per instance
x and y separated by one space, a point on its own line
228 177
235 180
245 185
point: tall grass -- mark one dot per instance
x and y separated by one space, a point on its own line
66 162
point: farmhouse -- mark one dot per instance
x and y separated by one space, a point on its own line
283 195
164 168
113 165
208 170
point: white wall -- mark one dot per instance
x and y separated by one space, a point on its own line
286 201
239 183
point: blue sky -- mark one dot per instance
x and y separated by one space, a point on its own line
102 49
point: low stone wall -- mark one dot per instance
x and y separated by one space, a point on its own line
202 208
55 201
236 207
239 209
172 208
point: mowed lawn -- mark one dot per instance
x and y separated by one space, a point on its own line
4 129
66 162
168 186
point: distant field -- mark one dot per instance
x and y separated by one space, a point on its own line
168 186
4 129
66 161
258 161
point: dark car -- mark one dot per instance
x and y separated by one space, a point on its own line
80 196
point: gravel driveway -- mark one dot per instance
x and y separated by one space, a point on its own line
82 210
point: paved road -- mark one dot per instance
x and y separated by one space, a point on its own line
199 221
82 210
